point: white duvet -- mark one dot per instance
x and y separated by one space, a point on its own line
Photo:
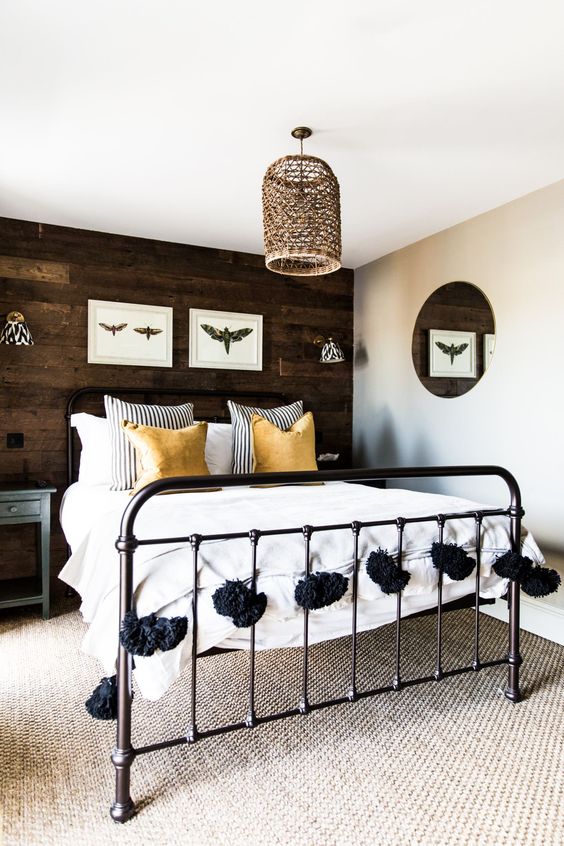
163 573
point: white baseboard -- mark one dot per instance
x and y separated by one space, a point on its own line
536 616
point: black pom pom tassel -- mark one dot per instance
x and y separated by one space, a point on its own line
171 631
452 560
102 703
512 565
239 602
535 580
320 589
385 573
541 581
144 635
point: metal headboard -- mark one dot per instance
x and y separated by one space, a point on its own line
152 392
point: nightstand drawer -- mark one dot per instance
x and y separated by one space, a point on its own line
21 508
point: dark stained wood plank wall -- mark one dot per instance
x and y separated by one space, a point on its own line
50 272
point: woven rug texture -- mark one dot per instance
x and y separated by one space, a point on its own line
441 763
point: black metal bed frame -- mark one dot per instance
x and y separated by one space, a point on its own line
124 753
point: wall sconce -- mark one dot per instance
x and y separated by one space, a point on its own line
331 352
16 330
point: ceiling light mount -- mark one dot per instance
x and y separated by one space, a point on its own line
301 133
301 214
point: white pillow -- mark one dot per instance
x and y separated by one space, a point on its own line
219 449
95 466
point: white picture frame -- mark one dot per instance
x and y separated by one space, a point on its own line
452 354
129 334
220 350
489 347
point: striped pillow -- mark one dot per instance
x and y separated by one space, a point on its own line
284 416
124 471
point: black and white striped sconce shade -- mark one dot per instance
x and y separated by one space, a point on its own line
15 330
331 352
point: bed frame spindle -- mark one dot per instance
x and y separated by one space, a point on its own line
251 719
396 681
303 704
192 731
438 666
356 526
478 518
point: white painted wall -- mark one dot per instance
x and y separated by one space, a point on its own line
515 414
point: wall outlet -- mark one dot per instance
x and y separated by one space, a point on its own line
14 440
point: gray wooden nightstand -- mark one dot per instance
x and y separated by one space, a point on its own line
26 502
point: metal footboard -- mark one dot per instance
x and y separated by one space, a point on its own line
124 754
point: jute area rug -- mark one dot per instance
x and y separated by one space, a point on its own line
442 763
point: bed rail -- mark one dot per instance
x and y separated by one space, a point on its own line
124 754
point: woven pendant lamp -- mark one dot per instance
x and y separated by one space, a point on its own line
301 214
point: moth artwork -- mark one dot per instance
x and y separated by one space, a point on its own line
227 340
113 328
452 354
451 350
148 331
130 334
225 336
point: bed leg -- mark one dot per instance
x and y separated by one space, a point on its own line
123 808
514 659
124 753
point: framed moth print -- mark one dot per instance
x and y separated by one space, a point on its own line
452 354
125 333
225 339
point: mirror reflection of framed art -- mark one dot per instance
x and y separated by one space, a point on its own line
489 347
452 354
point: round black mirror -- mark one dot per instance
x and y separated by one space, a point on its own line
453 339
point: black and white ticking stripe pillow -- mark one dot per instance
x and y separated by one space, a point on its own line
284 416
123 452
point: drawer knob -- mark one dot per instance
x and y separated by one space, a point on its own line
13 509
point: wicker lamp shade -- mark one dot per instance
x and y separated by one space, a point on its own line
301 215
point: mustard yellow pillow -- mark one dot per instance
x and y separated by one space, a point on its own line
167 452
276 451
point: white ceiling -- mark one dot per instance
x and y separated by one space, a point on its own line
158 118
